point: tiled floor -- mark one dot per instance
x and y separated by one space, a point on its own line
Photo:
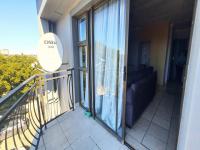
157 128
74 131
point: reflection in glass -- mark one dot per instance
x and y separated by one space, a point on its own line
82 30
83 76
84 88
83 56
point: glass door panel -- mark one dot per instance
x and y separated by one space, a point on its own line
83 76
109 54
82 29
83 63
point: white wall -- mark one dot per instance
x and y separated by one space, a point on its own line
64 32
43 26
38 4
189 135
64 29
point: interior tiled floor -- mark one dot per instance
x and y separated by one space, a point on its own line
157 128
74 131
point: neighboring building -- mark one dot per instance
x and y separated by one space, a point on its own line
4 52
137 66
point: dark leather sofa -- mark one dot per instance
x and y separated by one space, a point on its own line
141 87
136 74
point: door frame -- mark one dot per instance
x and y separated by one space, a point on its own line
78 45
166 70
91 13
91 68
125 72
122 139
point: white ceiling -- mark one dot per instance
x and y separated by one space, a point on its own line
54 9
142 11
145 11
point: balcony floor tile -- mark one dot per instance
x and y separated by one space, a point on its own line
74 131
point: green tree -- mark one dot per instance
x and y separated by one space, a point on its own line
14 69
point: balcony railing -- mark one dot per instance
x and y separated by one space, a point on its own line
27 109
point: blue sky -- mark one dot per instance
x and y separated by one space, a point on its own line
18 26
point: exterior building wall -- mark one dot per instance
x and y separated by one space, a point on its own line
4 52
43 26
64 32
64 29
38 4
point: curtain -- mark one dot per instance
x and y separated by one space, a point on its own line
109 51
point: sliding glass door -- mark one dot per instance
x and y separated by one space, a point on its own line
109 55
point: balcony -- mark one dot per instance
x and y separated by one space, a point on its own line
74 131
41 114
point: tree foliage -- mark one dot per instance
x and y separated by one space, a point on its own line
14 69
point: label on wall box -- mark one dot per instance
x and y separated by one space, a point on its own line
50 52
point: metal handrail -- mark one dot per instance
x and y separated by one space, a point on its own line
15 104
18 88
23 84
34 108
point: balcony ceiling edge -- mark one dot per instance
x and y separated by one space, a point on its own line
53 10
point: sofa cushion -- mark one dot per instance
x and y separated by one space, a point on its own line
135 76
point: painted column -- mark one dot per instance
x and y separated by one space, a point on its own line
189 135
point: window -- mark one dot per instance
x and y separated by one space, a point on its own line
52 27
83 61
82 30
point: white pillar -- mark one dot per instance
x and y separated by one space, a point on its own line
189 135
